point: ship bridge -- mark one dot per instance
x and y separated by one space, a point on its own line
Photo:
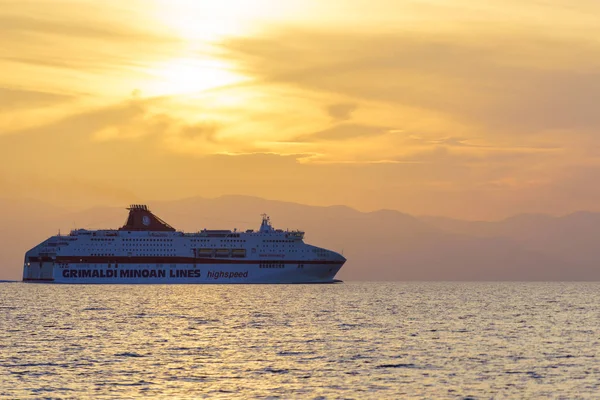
266 227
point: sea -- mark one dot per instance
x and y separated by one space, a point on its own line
353 340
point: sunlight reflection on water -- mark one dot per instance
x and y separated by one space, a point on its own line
352 340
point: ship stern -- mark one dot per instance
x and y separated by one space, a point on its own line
38 266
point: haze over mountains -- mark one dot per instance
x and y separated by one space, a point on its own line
381 245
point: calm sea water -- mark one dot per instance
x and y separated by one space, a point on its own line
351 340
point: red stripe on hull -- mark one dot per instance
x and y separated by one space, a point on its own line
178 260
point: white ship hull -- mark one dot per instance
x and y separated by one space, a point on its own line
185 274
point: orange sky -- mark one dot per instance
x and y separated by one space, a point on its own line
459 108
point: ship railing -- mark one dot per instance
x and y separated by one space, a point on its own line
77 232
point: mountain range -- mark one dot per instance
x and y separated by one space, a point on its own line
379 245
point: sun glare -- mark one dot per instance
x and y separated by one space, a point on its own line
213 20
187 76
202 25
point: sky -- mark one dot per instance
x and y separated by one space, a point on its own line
466 109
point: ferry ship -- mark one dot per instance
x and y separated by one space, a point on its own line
148 250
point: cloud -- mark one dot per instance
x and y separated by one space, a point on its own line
452 141
13 98
200 131
158 164
75 22
47 45
421 111
341 111
146 126
342 132
518 84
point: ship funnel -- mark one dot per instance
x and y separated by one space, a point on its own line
141 219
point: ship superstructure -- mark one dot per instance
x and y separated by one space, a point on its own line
148 250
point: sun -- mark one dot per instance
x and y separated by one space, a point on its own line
202 26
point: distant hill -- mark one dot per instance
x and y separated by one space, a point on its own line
381 245
573 240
